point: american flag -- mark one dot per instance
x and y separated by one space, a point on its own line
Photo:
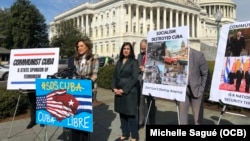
61 105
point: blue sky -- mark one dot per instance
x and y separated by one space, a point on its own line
52 8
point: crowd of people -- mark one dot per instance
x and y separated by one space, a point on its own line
127 84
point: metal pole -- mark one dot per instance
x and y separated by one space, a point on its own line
218 32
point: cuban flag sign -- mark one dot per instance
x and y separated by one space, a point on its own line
64 102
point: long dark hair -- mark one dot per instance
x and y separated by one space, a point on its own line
131 55
89 45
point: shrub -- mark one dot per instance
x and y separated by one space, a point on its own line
8 101
105 76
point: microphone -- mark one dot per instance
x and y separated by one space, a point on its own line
61 74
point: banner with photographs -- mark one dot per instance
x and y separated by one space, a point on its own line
166 68
231 77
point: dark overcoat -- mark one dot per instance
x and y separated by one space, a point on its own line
125 77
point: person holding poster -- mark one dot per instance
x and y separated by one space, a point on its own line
86 66
198 75
142 109
125 88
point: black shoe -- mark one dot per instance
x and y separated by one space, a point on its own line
120 139
30 125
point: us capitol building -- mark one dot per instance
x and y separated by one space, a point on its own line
109 23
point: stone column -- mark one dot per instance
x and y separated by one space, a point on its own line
164 18
176 18
82 26
87 24
129 18
188 24
182 18
151 18
170 18
137 19
144 20
193 26
158 18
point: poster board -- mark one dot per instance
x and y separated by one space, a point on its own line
166 68
65 103
28 64
231 56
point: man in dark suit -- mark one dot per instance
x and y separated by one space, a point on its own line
229 44
238 44
247 80
197 79
231 77
142 104
239 76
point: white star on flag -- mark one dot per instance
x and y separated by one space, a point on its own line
71 103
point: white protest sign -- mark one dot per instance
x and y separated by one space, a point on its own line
228 85
166 69
28 64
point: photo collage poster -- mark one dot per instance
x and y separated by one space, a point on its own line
231 78
166 68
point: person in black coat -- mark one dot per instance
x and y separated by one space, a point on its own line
247 80
231 77
124 86
238 44
239 77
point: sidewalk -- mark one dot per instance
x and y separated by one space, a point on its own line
107 124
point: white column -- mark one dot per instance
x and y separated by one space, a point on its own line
210 11
170 18
82 27
78 22
129 18
151 18
164 18
192 34
121 29
188 24
204 28
198 27
144 21
176 18
182 18
137 19
87 24
158 18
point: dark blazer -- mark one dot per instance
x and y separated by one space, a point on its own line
238 45
239 75
125 77
140 76
198 72
247 76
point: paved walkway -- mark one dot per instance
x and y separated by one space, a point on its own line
106 127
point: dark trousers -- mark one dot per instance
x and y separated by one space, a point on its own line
32 105
238 82
129 125
247 86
